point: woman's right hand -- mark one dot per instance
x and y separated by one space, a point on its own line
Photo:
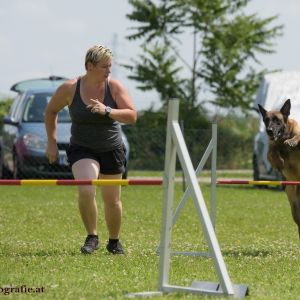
52 152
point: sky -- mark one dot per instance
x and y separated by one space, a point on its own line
39 38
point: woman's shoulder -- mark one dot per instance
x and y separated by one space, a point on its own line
115 85
70 84
67 90
68 87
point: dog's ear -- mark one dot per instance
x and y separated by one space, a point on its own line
286 108
262 111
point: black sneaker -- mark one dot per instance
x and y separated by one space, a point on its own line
90 245
115 248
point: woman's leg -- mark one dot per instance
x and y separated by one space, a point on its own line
87 169
112 206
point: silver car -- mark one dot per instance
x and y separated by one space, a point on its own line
24 138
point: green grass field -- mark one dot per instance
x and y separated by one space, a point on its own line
41 234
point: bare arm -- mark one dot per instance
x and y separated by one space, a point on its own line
125 113
59 100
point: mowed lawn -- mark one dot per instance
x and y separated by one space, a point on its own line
41 234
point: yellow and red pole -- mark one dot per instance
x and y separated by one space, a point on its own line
98 182
258 182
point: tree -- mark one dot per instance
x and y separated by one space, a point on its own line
225 44
4 108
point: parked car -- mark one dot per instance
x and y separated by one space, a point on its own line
274 89
24 139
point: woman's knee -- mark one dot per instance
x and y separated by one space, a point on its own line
112 202
87 192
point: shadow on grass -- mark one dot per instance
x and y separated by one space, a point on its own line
247 253
42 253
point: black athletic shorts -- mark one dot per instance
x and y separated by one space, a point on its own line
111 162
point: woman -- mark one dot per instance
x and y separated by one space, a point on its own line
96 104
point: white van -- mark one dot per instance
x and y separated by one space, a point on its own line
274 89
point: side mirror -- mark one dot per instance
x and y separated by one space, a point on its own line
10 121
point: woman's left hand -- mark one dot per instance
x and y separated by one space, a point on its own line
97 107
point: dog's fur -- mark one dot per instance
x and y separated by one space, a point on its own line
284 151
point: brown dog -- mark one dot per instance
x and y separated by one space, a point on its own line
284 151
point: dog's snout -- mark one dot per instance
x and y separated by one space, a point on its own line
269 131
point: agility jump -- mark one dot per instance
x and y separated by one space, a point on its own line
175 145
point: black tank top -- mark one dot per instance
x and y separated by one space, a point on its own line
93 130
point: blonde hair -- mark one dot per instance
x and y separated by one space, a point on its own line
97 53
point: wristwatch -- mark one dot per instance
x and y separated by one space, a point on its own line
107 111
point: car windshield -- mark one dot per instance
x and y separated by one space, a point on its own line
35 109
41 83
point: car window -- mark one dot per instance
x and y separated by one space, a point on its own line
17 114
14 105
35 109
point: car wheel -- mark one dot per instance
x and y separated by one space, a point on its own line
17 174
256 175
255 168
4 173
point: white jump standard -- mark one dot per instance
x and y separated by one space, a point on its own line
210 150
175 143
